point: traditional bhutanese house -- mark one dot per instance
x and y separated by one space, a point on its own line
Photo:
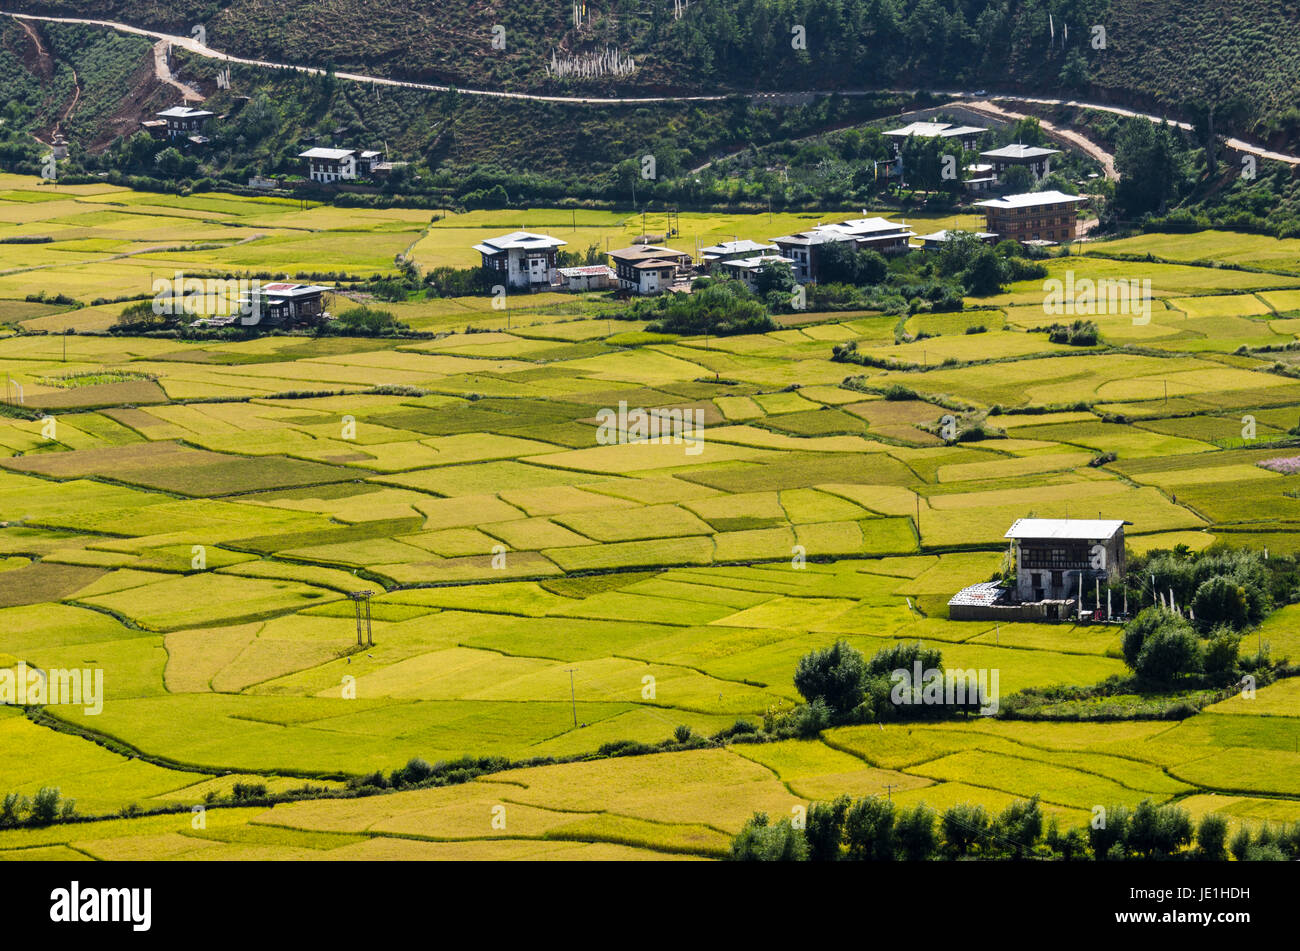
183 122
1060 566
731 250
804 249
967 135
751 269
876 234
1054 557
523 259
327 165
648 268
979 178
590 277
935 241
1032 216
1037 160
282 303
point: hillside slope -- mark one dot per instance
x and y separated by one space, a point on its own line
1157 52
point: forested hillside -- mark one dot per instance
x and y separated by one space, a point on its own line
1243 58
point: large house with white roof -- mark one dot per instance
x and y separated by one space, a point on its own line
1041 217
328 166
877 234
522 259
967 135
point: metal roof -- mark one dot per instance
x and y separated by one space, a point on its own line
183 112
1029 199
323 153
1065 529
1020 151
986 592
518 239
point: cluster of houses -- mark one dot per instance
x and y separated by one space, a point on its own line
186 126
529 261
981 176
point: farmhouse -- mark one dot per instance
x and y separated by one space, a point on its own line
1032 216
648 268
336 165
1037 160
181 122
282 303
591 277
1060 565
967 135
751 269
732 250
523 258
935 241
878 234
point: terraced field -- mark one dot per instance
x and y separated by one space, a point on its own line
539 595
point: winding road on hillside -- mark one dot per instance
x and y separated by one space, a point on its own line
194 46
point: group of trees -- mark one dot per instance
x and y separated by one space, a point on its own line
1203 603
841 685
720 308
45 807
876 829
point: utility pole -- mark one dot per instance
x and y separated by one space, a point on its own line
361 601
889 791
573 700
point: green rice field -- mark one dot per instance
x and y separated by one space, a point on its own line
194 524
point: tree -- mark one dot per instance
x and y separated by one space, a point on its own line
833 675
1172 650
1074 74
914 835
1017 179
985 274
1221 650
965 827
1157 832
869 830
1147 161
1108 833
1019 827
1148 621
1221 600
825 828
760 841
1212 838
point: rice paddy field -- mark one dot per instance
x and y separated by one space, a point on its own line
192 520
